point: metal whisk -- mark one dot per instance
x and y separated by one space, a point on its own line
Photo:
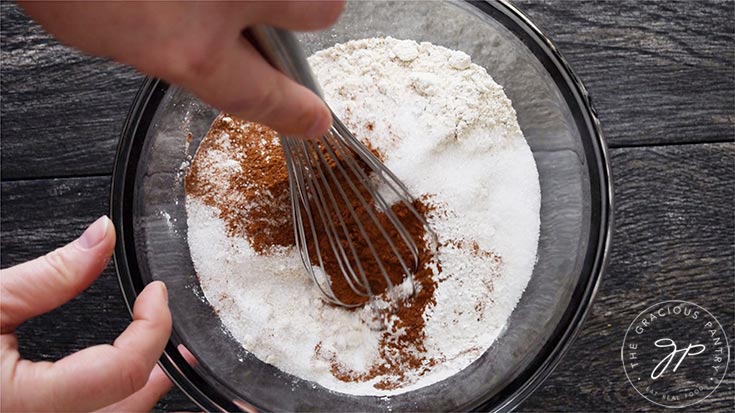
331 179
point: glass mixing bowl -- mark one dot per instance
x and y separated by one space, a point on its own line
166 125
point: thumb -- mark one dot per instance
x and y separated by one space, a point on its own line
246 85
38 286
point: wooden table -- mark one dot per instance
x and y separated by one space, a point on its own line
662 76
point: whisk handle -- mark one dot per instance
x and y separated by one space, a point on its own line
282 50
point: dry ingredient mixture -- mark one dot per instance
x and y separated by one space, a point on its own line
449 132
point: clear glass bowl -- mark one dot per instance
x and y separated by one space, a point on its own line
556 117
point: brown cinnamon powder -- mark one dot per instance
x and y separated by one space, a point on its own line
254 203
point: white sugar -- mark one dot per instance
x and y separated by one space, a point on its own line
446 129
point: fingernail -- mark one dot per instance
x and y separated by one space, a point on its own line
163 290
95 233
319 127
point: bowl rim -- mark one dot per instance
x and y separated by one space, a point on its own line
128 153
596 263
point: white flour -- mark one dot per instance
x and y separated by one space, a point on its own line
446 129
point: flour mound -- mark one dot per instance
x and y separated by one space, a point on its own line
450 133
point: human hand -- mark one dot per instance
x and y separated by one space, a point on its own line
117 377
199 45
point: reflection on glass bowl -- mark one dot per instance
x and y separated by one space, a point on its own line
562 130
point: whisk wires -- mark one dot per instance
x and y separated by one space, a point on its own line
343 221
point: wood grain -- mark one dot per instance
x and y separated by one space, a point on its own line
674 239
62 111
659 72
38 216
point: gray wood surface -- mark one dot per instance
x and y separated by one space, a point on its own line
60 108
674 239
662 75
659 72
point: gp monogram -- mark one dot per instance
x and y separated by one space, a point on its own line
675 354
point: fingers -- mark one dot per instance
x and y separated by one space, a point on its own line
297 15
143 400
232 76
241 82
101 375
148 333
199 45
39 286
190 359
157 386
